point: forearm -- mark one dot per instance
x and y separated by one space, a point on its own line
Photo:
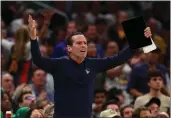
42 62
111 62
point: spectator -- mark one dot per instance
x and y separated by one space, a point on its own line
60 48
39 86
7 83
127 111
137 84
17 23
21 112
26 99
155 82
6 104
112 104
154 105
144 113
92 50
109 113
99 100
20 60
115 75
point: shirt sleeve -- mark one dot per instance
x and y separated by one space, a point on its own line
104 64
45 63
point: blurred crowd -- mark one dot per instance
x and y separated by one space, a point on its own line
138 88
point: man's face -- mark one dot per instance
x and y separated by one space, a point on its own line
92 32
127 112
39 77
112 48
92 51
114 107
7 82
79 47
27 99
71 28
100 98
43 50
156 83
154 108
145 114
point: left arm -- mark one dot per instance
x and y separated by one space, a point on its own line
104 64
123 56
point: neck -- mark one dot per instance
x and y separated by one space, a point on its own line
154 93
77 59
38 88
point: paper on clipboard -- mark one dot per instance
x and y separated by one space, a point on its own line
149 48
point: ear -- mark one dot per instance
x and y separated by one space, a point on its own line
69 48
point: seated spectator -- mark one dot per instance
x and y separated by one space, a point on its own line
20 59
138 79
154 105
21 112
38 86
7 83
109 113
155 82
127 111
145 113
26 99
112 104
99 101
6 104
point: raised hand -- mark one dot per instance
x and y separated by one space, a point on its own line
147 32
32 28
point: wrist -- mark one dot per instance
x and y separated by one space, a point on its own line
33 38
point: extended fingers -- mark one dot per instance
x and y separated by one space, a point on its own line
147 32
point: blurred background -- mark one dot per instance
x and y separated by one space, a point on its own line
26 87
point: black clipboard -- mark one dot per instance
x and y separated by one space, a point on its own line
134 31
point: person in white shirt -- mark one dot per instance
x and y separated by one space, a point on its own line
155 83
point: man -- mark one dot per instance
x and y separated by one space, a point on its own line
7 83
74 75
154 105
127 111
39 87
109 113
100 96
137 84
113 104
60 48
155 82
144 113
26 99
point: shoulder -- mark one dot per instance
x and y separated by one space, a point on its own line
142 98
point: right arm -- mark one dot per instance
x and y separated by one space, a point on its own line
44 63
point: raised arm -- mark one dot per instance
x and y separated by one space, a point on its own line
123 56
44 63
104 64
